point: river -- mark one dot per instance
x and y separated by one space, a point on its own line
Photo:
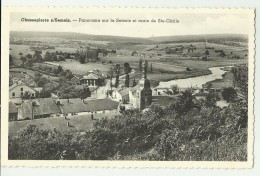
216 73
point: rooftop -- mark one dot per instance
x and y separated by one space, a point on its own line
42 106
74 105
12 108
100 105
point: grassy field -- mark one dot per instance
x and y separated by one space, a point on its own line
77 68
78 123
199 64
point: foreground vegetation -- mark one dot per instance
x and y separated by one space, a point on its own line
186 130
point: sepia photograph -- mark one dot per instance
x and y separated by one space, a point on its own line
130 85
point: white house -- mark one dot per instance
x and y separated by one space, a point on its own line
18 89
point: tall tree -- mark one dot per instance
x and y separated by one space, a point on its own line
140 65
127 69
134 83
117 71
23 59
11 61
82 59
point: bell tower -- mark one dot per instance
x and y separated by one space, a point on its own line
144 94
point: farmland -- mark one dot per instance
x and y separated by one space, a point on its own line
77 68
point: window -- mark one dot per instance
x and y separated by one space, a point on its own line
13 94
21 89
21 93
32 94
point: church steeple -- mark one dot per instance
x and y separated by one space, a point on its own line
144 83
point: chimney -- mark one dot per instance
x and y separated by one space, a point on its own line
83 101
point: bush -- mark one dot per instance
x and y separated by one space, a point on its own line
229 94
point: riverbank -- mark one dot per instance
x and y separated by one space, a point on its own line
164 76
226 81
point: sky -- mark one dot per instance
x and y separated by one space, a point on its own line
189 23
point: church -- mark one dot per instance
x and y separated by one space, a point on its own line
140 96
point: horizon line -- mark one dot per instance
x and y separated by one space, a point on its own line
135 36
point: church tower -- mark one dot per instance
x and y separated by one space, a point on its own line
144 93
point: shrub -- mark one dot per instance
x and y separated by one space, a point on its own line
229 94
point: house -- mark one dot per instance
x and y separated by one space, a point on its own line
18 89
91 79
13 112
121 95
38 108
70 107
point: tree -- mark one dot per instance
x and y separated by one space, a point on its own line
37 57
59 70
85 93
146 65
229 94
175 89
26 95
140 65
23 59
11 62
82 59
127 69
118 71
29 56
184 102
133 53
188 69
134 83
47 56
211 99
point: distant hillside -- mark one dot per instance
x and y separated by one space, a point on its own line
133 40
194 38
78 36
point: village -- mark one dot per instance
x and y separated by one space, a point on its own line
90 82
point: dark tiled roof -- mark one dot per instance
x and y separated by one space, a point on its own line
12 108
43 106
100 105
74 105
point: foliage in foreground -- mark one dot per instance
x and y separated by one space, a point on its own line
185 130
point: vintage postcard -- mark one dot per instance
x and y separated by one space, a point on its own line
127 87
